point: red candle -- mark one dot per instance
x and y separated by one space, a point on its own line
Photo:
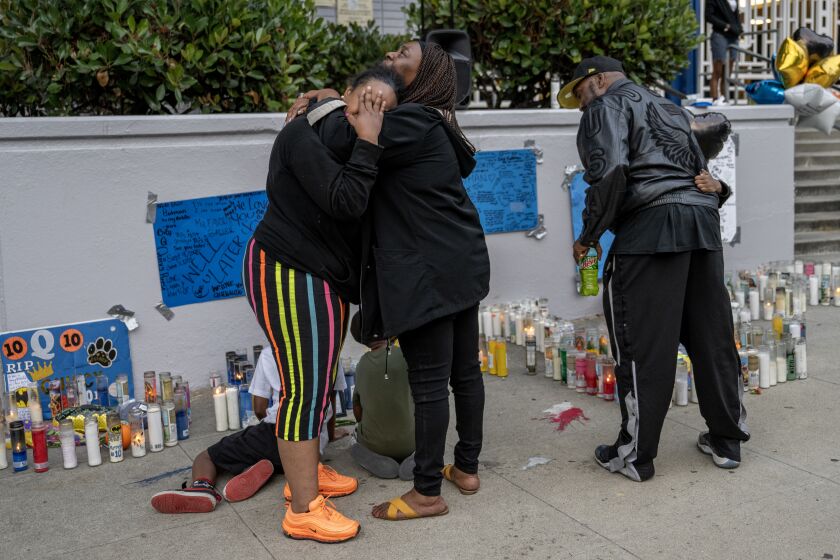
608 374
39 447
591 375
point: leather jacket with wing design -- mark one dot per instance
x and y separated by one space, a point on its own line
639 152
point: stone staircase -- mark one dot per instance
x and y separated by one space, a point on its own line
817 181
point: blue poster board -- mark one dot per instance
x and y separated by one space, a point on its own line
200 243
60 353
577 190
503 187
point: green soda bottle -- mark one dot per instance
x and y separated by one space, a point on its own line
588 266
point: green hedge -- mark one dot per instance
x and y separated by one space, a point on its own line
518 44
77 57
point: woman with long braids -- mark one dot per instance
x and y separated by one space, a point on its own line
425 269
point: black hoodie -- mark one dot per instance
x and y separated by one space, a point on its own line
423 251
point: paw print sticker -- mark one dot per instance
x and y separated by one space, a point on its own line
101 352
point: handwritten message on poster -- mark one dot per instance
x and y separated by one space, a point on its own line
577 190
200 243
723 168
503 187
52 357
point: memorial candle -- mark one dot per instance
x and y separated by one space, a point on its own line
781 362
36 413
232 395
771 356
500 358
114 437
681 384
81 389
801 359
530 351
755 305
813 290
153 419
220 408
18 441
170 424
150 386
138 434
68 444
40 456
92 441
764 367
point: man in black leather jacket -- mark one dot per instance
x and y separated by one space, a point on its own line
663 280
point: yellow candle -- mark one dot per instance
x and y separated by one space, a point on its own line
501 359
491 357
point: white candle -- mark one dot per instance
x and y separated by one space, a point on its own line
497 323
764 368
799 267
4 462
480 328
768 311
155 428
837 296
772 366
795 329
754 305
220 408
92 441
781 367
487 319
762 284
739 296
818 270
232 394
36 413
520 330
801 360
744 316
68 448
813 290
81 390
138 443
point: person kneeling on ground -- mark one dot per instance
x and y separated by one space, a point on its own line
251 455
384 411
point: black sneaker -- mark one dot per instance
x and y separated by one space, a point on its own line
186 500
604 454
704 443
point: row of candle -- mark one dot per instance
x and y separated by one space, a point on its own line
157 426
239 369
785 288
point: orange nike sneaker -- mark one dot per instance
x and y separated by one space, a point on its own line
322 523
330 484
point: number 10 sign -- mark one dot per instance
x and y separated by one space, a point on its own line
60 353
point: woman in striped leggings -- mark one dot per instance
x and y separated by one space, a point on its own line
300 272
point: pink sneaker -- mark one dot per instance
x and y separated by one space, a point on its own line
244 485
186 500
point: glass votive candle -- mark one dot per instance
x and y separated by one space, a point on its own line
40 456
17 436
67 436
150 386
138 434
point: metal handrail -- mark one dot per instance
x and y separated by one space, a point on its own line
735 81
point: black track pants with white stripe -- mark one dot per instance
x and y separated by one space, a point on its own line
652 303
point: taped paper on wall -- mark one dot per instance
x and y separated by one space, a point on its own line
503 187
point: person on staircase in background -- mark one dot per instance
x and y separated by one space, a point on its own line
725 19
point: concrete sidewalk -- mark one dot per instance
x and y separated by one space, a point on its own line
784 501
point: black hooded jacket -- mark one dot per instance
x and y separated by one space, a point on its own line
423 250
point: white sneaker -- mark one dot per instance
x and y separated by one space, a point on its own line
720 101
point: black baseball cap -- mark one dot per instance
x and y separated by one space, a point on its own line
587 67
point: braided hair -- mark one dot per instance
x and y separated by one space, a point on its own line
434 86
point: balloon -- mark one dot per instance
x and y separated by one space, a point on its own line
791 62
767 92
824 72
824 121
817 46
776 75
809 99
711 131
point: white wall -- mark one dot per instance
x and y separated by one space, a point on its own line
74 241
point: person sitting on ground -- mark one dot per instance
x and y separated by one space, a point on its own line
383 409
251 454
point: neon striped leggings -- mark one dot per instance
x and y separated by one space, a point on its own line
305 322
